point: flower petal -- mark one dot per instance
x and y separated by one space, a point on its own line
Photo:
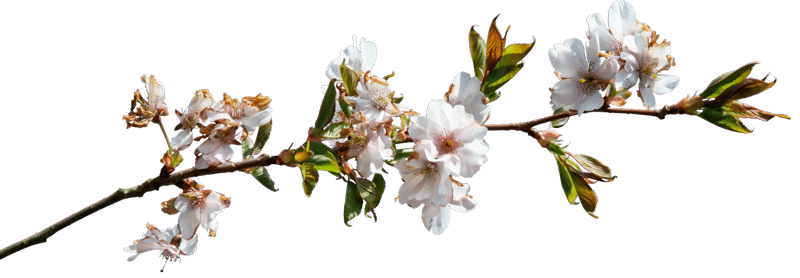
435 218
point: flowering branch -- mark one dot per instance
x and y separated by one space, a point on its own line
136 191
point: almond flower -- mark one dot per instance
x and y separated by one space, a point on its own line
466 90
190 118
148 109
370 147
216 149
358 58
250 113
197 207
457 137
436 218
581 75
644 60
375 100
169 242
621 23
425 177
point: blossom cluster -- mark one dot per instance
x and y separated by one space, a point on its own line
222 124
369 138
197 207
617 57
448 141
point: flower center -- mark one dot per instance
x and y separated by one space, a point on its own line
447 144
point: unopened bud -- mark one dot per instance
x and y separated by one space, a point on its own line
286 158
546 137
347 169
690 105
301 157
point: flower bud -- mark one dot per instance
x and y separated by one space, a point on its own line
546 137
690 105
347 169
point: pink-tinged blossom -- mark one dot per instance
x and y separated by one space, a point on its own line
436 218
455 134
145 110
582 75
250 113
425 176
216 149
198 207
190 117
370 147
155 94
169 242
375 100
466 91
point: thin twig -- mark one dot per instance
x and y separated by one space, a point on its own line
527 126
136 191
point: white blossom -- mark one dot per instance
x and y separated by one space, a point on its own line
436 218
466 90
216 149
375 101
199 207
582 75
155 94
621 23
425 176
250 113
190 117
169 242
643 63
456 135
358 58
370 147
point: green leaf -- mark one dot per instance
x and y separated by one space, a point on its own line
585 193
371 191
349 79
492 96
247 148
323 158
261 137
477 48
723 119
556 149
725 81
352 203
177 158
326 109
594 166
560 122
514 54
310 178
566 180
742 110
400 154
262 176
498 77
398 99
334 130
345 107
